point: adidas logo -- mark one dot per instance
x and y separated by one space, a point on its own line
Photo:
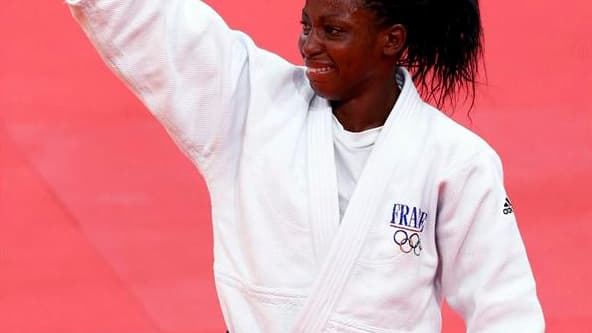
508 208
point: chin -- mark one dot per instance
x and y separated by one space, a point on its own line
322 90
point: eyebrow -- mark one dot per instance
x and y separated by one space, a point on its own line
324 17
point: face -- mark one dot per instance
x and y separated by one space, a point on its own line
343 48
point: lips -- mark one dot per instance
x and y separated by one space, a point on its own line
318 71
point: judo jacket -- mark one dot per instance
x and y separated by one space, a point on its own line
429 218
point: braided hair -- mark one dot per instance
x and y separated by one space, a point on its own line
444 44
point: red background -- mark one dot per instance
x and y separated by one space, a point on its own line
104 225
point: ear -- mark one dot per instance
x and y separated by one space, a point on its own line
395 37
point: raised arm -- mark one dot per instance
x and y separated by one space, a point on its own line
486 276
180 58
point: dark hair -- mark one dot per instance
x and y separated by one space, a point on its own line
443 47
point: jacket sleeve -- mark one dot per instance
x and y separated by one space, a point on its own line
183 63
485 273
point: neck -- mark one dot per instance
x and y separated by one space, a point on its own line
368 110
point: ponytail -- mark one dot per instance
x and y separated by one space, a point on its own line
443 47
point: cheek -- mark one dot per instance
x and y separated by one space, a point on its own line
361 59
347 61
349 53
301 38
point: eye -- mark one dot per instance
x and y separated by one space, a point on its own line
333 31
305 27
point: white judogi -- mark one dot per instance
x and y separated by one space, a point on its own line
426 219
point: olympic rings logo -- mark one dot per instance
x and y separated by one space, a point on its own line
408 243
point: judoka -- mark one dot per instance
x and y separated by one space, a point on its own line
342 201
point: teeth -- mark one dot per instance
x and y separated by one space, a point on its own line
319 70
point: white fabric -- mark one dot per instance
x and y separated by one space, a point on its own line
351 153
262 140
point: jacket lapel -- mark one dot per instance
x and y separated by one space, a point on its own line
395 145
322 178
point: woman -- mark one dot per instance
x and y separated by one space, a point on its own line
341 201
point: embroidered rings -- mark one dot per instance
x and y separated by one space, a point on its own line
408 242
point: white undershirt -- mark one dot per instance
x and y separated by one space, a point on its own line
351 153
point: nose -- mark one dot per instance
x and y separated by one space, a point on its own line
310 45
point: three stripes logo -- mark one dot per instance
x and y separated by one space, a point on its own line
508 208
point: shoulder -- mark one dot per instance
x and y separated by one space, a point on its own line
456 147
445 144
280 79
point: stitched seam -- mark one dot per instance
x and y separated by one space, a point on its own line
262 294
352 324
110 52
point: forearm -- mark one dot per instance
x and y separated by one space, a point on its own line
485 275
177 56
154 45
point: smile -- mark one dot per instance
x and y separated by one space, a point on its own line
319 70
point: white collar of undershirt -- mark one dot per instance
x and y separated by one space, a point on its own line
355 140
364 139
